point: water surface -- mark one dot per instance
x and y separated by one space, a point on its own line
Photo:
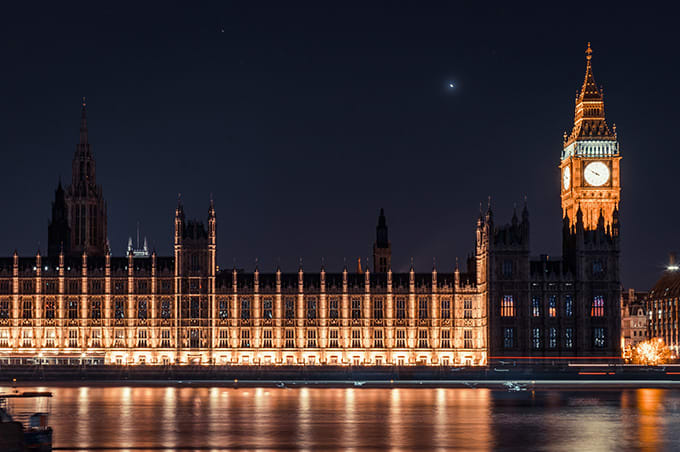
185 418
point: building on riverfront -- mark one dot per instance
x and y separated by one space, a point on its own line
80 303
633 319
662 307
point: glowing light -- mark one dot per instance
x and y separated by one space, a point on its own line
651 353
672 268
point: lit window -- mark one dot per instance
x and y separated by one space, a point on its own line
165 338
508 306
535 307
290 308
536 338
141 310
223 312
597 309
552 306
552 338
245 311
267 338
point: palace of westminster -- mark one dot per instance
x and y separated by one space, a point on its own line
80 304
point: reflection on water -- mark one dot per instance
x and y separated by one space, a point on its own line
181 418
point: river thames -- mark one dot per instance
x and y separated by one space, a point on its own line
191 418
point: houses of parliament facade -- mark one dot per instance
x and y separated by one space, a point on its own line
79 304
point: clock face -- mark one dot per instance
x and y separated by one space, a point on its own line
596 174
566 178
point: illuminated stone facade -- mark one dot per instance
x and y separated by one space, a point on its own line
181 309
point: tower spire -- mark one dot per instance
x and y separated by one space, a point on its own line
83 123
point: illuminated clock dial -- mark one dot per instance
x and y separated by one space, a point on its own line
596 174
566 178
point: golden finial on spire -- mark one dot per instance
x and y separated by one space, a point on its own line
589 52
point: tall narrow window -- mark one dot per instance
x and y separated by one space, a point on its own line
467 308
552 338
401 338
142 310
536 338
290 308
73 338
377 309
569 338
422 308
507 268
333 308
568 306
50 308
223 312
96 309
290 338
267 338
119 306
552 306
599 337
73 309
165 338
311 308
445 309
446 339
423 341
377 338
333 338
311 338
508 337
27 309
508 306
535 307
597 309
224 338
245 338
467 338
245 312
195 308
4 309
356 338
141 338
401 308
356 308
267 308
165 309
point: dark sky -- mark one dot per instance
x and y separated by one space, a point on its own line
304 121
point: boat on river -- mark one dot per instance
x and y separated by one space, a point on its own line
22 430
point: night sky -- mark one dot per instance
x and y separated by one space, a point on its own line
304 121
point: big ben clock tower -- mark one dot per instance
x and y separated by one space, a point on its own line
589 167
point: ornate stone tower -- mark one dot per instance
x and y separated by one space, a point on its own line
590 159
85 201
58 231
382 248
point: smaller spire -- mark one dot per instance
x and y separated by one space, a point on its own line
589 52
359 265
